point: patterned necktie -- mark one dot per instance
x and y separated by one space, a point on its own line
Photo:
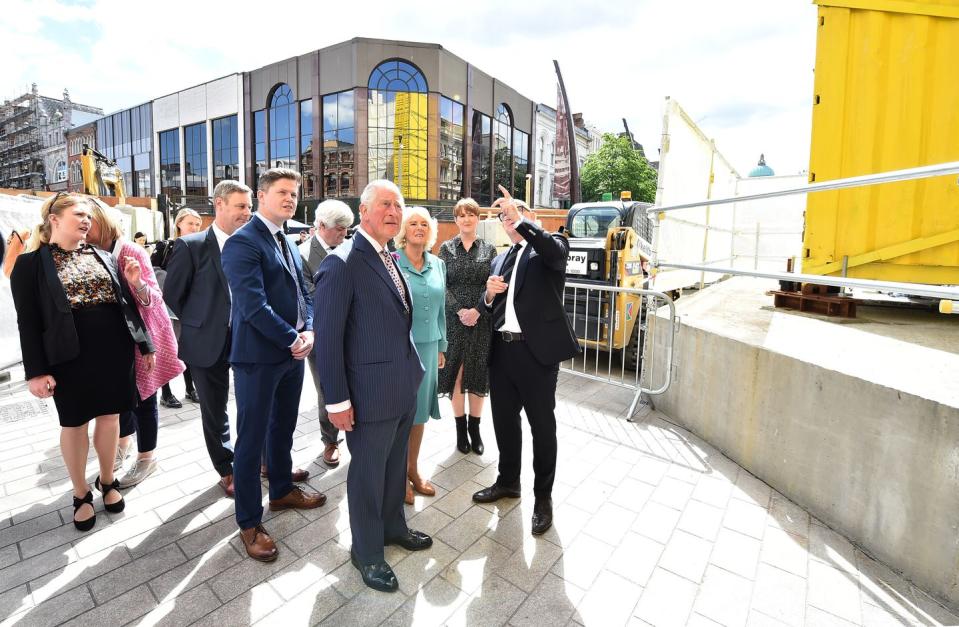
300 301
395 275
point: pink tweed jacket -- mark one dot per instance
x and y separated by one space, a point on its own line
157 322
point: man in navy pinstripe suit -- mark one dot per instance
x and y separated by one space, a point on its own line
370 371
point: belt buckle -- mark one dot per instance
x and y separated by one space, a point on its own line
507 336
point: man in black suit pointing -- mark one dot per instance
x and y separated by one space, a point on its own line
531 337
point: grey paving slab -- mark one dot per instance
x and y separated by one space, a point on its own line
552 602
610 601
493 604
59 609
652 526
117 610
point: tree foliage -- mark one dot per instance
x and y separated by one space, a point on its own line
615 168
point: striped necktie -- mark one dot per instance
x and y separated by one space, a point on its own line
300 301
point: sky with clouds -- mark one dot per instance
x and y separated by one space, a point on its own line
742 69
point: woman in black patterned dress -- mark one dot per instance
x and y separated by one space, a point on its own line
468 261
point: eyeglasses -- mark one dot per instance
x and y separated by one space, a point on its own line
519 208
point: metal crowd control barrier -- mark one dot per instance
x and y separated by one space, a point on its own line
944 293
600 315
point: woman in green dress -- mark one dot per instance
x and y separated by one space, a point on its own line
425 273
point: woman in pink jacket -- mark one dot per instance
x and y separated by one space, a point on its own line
106 233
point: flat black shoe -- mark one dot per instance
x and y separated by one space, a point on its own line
494 493
172 402
193 396
377 576
462 435
542 515
476 441
113 508
413 540
84 525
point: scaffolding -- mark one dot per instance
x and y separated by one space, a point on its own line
32 127
21 163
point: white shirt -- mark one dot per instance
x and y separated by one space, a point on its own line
220 235
325 246
274 229
510 321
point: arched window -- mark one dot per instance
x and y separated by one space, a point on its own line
503 149
60 172
397 114
282 127
542 149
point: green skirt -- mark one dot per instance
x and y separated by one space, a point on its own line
427 402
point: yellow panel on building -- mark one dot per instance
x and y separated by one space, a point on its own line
409 144
886 97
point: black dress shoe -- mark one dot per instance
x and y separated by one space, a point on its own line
171 401
542 515
413 540
494 493
193 396
377 576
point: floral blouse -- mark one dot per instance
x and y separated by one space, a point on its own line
85 280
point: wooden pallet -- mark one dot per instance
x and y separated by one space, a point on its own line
820 299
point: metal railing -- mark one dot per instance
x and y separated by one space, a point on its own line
912 289
600 316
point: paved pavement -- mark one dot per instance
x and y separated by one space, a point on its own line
653 527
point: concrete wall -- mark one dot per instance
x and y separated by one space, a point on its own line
876 460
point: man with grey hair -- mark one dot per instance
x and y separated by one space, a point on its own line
196 291
333 218
370 373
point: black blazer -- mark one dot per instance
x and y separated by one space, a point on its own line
196 291
539 278
48 335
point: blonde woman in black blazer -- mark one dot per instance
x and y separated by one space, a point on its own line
78 328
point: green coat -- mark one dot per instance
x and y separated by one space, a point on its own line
428 295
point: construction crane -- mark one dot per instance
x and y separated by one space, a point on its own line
101 173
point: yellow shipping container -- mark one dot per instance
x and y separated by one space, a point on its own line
886 98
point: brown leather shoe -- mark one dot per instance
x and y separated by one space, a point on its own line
408 499
331 455
422 486
299 475
226 482
259 545
298 498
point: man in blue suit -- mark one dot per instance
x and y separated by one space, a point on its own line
370 372
272 318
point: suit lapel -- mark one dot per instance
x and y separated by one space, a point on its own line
317 253
213 248
274 245
106 258
520 269
374 261
53 280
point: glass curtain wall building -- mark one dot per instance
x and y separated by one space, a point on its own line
409 112
397 108
127 137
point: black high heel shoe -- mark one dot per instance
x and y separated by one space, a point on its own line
84 525
113 508
462 436
476 441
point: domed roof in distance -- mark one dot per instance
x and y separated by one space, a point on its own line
761 168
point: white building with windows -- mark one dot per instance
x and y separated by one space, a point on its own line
198 135
588 141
